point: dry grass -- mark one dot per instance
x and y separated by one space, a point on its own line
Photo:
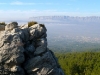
2 23
31 23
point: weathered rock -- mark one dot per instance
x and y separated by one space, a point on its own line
11 26
23 51
39 50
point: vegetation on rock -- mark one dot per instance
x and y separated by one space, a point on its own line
2 23
31 23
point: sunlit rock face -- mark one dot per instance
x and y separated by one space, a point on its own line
23 51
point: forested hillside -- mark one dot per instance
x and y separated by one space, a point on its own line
80 63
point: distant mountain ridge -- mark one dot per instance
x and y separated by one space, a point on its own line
65 17
69 19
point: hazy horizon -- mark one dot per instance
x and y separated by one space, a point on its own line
24 9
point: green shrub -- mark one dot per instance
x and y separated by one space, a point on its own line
80 63
31 23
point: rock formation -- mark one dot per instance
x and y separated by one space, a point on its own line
23 51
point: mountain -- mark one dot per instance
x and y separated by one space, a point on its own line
72 33
68 19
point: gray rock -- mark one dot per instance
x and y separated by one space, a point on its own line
29 50
23 51
41 42
39 50
11 53
11 26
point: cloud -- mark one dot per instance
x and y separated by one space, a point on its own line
16 3
23 3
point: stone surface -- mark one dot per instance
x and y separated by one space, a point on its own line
11 26
23 51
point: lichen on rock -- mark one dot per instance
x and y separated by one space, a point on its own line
23 51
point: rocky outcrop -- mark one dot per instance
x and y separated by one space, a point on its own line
23 51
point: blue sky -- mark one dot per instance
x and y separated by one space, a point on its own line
28 8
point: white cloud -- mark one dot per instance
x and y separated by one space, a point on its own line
16 3
21 3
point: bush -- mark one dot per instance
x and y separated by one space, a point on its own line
31 23
2 23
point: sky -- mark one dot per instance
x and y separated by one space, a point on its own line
21 9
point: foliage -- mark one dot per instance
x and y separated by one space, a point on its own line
80 63
31 23
2 23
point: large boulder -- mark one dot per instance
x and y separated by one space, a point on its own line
23 51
